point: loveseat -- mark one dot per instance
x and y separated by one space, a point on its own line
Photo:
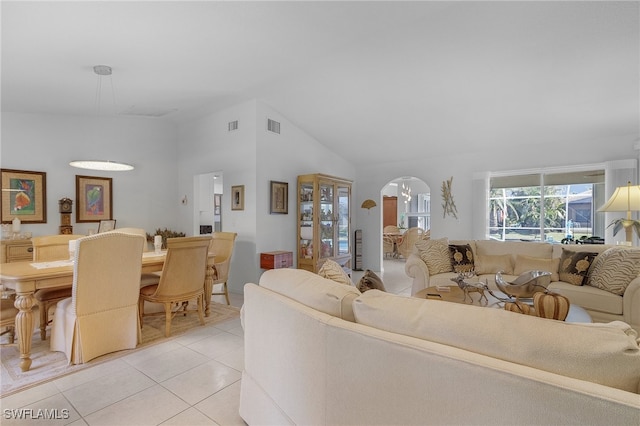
614 300
318 352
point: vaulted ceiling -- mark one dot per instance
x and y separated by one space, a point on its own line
361 77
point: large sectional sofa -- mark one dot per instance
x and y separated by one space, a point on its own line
318 352
613 300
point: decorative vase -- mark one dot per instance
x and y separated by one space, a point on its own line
551 305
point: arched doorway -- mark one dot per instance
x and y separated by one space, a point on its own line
406 204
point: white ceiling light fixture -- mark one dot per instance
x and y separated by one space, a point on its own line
102 165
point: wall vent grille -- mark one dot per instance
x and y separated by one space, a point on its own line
273 126
233 125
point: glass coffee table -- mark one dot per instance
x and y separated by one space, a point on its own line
456 295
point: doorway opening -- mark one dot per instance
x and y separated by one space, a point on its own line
208 203
406 216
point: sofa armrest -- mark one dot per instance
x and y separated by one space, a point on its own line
631 304
417 269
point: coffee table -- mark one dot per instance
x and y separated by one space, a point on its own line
456 295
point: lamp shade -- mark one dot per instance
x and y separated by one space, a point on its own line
625 198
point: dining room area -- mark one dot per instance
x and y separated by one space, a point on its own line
81 299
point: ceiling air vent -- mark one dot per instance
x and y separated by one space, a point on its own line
273 126
233 125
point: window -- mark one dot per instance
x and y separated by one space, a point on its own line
553 207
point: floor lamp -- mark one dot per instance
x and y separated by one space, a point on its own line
624 199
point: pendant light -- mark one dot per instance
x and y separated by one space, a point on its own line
102 165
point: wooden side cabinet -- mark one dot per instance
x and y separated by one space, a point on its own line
16 251
276 259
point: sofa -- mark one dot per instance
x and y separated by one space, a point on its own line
614 300
318 352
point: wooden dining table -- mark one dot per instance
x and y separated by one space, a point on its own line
25 279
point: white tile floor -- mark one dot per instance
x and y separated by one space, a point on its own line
193 379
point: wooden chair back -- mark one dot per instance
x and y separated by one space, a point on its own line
221 245
52 247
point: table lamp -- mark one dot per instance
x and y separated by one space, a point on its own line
625 198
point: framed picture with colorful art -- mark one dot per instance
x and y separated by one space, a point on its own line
24 195
94 198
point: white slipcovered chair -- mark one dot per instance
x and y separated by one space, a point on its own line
136 231
45 249
102 314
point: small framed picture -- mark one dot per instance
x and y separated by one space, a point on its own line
237 197
279 197
94 199
24 195
217 204
106 225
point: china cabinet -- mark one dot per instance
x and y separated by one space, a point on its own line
324 221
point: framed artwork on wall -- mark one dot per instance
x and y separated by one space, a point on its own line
237 197
217 203
279 197
94 198
24 195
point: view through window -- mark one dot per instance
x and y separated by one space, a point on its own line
556 207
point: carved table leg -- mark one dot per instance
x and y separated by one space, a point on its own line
24 327
208 289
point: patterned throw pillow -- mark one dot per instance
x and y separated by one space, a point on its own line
614 269
574 266
461 257
370 281
331 270
435 254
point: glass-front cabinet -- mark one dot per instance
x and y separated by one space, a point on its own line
324 221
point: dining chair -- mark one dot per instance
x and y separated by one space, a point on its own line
181 280
390 235
222 244
409 238
101 316
136 231
45 249
8 314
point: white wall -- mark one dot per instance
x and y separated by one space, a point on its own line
145 197
464 166
252 157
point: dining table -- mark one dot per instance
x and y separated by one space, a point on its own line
25 278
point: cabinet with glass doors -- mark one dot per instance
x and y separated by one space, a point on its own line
324 221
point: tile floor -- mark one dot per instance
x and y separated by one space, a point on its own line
193 379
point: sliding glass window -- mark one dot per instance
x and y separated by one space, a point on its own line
557 207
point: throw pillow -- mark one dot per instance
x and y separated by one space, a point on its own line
492 264
614 269
333 271
435 254
461 257
370 281
574 266
529 263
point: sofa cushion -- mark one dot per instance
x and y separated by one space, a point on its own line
602 353
461 257
591 298
613 269
574 266
312 290
528 263
370 281
529 248
435 254
331 270
493 263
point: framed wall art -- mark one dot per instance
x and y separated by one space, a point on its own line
279 197
217 203
94 198
24 195
237 197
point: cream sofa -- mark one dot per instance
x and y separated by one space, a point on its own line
602 305
318 352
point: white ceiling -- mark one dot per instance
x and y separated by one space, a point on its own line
366 79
